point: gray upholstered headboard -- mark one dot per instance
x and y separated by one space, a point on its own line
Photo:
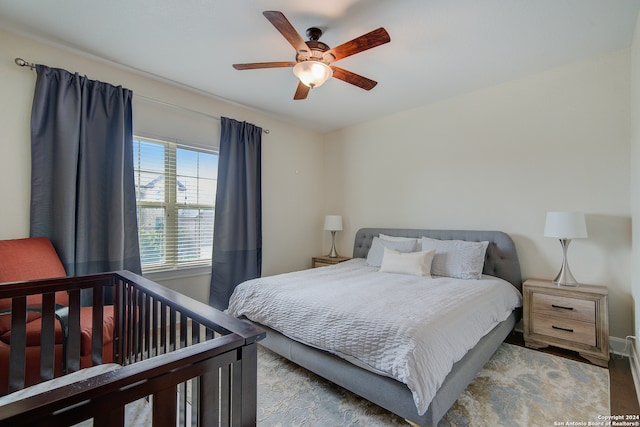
501 259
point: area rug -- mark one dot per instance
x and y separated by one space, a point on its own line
517 387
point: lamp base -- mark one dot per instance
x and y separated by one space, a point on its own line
333 253
564 277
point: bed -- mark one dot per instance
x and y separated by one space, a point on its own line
181 361
396 380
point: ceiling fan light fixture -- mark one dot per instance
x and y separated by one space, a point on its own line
312 73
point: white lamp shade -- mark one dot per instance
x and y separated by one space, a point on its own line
312 73
333 223
565 225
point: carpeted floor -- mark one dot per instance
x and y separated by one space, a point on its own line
518 387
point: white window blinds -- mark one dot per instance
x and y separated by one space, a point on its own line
175 197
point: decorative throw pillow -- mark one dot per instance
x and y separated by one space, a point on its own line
376 252
456 258
413 263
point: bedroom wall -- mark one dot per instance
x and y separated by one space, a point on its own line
635 180
500 158
497 158
292 165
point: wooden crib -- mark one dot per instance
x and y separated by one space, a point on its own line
191 364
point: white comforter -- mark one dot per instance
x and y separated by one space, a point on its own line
409 328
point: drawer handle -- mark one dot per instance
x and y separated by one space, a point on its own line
561 307
562 329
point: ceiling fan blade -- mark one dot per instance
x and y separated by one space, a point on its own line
353 78
359 44
283 25
256 65
302 91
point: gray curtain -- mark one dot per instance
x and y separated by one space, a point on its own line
82 181
237 229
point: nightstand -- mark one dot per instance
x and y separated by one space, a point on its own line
321 261
574 318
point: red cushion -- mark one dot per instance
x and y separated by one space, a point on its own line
85 328
28 259
33 333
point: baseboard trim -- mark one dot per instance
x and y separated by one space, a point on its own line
635 368
619 346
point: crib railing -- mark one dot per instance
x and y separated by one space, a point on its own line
192 364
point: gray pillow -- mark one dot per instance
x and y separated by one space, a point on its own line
376 253
456 258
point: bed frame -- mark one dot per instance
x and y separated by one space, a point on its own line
192 362
501 261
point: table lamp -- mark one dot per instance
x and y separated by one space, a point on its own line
565 226
333 223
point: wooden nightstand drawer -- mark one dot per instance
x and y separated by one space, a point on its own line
566 329
565 307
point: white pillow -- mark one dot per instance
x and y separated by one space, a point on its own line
376 252
414 263
456 258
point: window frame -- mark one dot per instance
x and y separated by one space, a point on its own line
172 267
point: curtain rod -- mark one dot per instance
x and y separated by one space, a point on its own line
22 63
178 107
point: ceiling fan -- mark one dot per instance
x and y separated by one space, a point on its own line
313 64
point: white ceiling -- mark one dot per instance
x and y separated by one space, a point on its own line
438 48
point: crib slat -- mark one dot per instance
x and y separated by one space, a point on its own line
96 329
131 328
236 393
73 341
147 325
183 331
195 332
208 405
47 337
247 395
172 329
111 418
130 323
18 348
118 316
154 328
164 407
140 326
135 330
163 327
142 313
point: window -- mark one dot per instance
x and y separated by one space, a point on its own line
175 197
